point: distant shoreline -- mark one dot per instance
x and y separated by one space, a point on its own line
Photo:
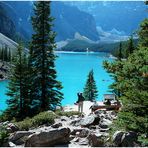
3 80
92 52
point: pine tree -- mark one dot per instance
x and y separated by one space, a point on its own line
18 103
1 53
90 89
130 47
120 56
45 88
9 54
131 79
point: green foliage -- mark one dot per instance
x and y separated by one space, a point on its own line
131 81
90 89
120 56
45 89
3 135
43 118
143 33
5 54
40 119
68 114
143 139
130 47
18 104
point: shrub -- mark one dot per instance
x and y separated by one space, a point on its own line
68 114
26 124
3 135
40 119
43 118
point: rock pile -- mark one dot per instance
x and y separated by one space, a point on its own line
78 131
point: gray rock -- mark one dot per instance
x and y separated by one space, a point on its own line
103 129
83 141
5 123
129 139
84 133
95 141
92 127
11 144
56 125
90 120
19 137
105 123
64 118
117 136
75 122
76 139
75 130
12 127
49 138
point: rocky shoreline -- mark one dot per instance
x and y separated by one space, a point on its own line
4 69
75 131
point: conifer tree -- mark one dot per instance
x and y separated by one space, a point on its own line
90 92
131 79
120 56
1 54
45 88
18 103
6 54
130 47
9 55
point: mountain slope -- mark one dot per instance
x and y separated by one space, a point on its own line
7 42
120 15
68 20
7 26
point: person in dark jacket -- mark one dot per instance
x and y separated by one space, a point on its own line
80 102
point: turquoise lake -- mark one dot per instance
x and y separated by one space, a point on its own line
72 70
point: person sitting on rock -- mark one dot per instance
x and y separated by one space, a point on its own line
107 102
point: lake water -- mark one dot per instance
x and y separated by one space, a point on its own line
72 70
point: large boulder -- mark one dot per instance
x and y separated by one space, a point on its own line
95 140
90 120
125 139
48 138
11 127
129 139
19 137
105 123
117 136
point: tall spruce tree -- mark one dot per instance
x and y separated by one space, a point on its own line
18 103
90 92
45 88
131 79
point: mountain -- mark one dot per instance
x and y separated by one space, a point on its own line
68 20
7 42
77 45
7 26
123 16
